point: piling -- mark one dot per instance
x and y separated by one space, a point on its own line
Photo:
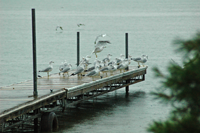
78 48
126 53
35 93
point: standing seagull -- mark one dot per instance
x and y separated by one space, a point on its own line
107 58
120 59
94 73
142 59
63 65
79 70
123 65
48 69
66 70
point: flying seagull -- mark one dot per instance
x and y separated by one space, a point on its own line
80 25
102 43
102 35
97 50
59 27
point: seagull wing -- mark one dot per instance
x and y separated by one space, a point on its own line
104 69
48 69
137 59
66 69
91 73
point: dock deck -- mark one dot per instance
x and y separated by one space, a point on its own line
17 99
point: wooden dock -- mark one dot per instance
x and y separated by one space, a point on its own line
19 106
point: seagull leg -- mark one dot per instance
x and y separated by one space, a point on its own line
96 55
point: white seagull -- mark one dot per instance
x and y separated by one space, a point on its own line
142 59
79 70
97 50
102 43
66 70
107 58
94 73
96 62
102 35
120 59
123 65
48 69
63 65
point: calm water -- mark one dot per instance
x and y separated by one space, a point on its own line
152 26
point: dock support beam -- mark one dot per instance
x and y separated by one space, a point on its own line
35 93
78 48
126 53
36 121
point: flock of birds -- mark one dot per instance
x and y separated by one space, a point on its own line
99 66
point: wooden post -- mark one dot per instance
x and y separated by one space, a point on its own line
36 121
78 48
35 93
126 53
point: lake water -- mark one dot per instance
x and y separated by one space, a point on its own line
152 26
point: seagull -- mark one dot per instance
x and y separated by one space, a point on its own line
87 59
102 35
66 70
114 67
120 59
97 50
59 27
48 69
93 73
63 65
123 65
80 25
107 58
97 62
142 59
106 68
79 70
102 43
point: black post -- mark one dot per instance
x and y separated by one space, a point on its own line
126 52
78 48
36 120
35 93
126 43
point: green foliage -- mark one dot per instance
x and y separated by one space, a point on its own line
182 90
